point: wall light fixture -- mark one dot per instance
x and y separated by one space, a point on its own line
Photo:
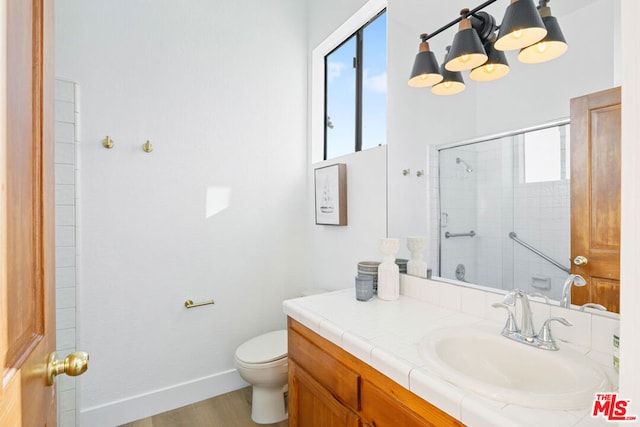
479 45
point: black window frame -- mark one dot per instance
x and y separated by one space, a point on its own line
357 64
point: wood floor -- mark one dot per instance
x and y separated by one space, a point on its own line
227 410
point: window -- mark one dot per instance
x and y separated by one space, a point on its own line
546 155
355 91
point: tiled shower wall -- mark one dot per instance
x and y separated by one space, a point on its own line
459 214
493 204
66 143
495 213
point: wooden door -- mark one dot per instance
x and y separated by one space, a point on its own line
595 197
27 312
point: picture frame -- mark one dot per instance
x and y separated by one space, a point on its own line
331 194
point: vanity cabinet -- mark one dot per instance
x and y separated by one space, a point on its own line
329 387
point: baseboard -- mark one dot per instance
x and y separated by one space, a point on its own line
162 400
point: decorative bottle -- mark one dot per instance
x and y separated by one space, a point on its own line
388 272
416 265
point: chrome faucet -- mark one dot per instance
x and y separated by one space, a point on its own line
574 279
526 323
525 333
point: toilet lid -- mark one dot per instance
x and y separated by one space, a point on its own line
264 348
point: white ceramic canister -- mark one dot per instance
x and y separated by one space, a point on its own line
388 271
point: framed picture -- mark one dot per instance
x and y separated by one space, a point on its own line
331 195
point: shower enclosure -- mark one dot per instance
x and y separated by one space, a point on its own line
505 211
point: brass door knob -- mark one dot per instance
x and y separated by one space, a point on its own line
580 261
73 365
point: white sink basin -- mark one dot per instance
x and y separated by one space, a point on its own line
489 364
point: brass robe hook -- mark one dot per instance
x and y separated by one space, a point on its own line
147 147
107 142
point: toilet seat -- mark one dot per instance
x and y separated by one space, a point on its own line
263 349
261 366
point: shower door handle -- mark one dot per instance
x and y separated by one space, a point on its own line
444 220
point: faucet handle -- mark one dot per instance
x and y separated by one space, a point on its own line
512 295
593 305
510 326
545 337
540 295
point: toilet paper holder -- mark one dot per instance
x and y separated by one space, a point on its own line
190 304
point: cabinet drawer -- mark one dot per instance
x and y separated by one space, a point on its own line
340 381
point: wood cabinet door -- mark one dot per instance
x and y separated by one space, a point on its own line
27 311
379 409
328 370
311 405
595 197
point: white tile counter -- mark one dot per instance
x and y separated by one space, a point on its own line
386 334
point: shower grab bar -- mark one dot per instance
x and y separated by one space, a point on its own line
514 236
469 234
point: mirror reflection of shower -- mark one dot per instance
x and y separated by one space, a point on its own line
458 174
512 184
468 169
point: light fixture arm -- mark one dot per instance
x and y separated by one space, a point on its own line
472 13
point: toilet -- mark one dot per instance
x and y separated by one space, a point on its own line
262 362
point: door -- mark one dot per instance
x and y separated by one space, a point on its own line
27 312
595 197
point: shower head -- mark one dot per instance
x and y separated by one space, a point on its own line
468 168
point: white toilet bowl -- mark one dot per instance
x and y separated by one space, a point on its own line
262 362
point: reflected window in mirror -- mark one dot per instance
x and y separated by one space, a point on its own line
545 155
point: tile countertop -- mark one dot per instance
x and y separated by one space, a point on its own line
386 334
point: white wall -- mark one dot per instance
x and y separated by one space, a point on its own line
327 16
630 236
336 251
219 88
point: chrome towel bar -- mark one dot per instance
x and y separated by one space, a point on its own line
469 234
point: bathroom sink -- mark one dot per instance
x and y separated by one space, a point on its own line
485 362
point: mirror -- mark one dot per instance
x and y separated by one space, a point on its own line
504 211
529 97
